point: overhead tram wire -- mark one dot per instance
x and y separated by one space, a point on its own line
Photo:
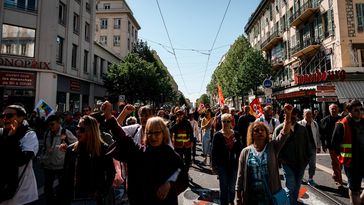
201 51
213 45
170 42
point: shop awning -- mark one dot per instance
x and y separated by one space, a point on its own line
349 90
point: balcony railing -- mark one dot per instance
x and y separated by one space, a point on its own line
304 13
272 40
305 47
29 6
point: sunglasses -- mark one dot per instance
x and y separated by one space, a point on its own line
226 121
7 115
80 129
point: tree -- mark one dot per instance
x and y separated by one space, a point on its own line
242 69
204 99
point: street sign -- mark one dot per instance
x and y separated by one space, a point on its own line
268 91
268 101
267 83
122 98
326 94
329 99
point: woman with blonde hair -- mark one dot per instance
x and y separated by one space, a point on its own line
89 172
258 177
226 147
156 172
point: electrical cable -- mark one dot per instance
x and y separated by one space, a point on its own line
174 52
213 44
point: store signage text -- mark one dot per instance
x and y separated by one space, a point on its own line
17 79
337 75
75 85
24 63
296 94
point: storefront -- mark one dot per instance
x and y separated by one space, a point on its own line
17 87
72 94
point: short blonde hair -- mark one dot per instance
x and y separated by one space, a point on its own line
249 136
157 122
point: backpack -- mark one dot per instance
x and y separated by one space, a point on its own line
9 180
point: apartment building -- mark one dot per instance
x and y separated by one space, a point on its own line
116 27
316 48
47 51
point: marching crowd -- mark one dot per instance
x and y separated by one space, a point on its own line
92 153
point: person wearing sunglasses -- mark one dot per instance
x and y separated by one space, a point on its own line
348 143
88 171
226 147
56 140
156 172
18 146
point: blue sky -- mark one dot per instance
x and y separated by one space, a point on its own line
192 26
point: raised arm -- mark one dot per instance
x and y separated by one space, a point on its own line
281 135
124 113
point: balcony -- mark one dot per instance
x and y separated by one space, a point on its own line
277 63
304 13
271 41
307 48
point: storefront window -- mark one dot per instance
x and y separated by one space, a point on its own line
74 102
61 101
17 41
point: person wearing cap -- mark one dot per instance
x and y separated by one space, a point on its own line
56 140
182 137
294 155
18 146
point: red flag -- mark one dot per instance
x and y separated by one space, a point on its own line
256 108
201 107
221 96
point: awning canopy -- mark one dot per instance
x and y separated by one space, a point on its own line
349 90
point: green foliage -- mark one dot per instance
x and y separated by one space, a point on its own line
242 69
140 77
204 99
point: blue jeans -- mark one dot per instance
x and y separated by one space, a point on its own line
227 180
293 177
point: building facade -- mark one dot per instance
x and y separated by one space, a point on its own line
315 47
47 51
116 27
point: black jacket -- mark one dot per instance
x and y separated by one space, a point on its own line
94 174
148 168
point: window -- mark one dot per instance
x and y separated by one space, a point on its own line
103 40
88 7
85 61
78 1
103 23
25 5
106 6
360 16
117 23
128 44
76 23
59 50
116 40
132 31
17 40
129 26
95 65
74 56
87 31
23 49
136 34
102 62
62 13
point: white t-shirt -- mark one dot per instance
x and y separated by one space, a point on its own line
131 129
27 189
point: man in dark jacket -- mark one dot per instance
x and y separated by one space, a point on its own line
327 126
348 143
294 156
244 122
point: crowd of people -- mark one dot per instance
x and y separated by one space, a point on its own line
90 154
